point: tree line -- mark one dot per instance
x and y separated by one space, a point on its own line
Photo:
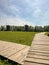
26 28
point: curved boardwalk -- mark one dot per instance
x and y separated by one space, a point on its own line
39 51
13 51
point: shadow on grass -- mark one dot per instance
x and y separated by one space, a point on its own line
6 61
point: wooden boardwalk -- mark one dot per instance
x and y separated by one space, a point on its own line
39 51
13 51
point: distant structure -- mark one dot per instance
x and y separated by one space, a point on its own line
7 27
26 28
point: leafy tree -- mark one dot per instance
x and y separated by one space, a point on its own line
46 28
2 28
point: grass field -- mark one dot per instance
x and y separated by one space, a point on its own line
17 37
47 33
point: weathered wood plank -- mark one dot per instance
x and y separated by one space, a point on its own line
13 51
29 63
39 51
37 60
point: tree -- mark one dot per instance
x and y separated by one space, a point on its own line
31 29
38 29
46 28
2 28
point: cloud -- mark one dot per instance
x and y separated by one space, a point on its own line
20 12
6 20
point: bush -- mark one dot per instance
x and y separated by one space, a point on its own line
48 34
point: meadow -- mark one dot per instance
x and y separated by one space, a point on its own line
17 37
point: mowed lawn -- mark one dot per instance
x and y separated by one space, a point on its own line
17 37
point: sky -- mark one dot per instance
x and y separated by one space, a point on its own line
21 12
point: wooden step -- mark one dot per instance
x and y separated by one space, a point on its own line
38 56
42 61
30 63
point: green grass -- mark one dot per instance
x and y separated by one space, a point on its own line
6 62
17 37
47 33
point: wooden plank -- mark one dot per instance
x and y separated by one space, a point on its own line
39 51
40 47
39 56
19 56
37 60
13 51
30 63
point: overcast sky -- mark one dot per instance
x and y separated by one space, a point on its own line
21 12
